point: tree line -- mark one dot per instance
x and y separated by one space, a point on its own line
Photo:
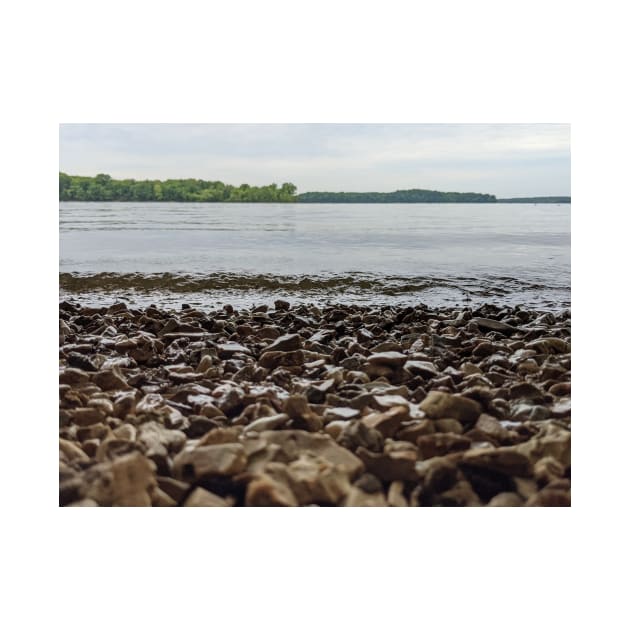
104 188
415 195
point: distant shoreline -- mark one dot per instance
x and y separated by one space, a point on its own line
103 188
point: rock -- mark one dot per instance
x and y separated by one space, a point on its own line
109 380
72 452
493 325
505 459
390 359
217 459
268 423
549 497
285 343
506 499
549 345
294 442
340 413
421 368
438 444
395 495
203 498
282 305
448 425
272 360
85 416
388 422
358 498
442 405
390 466
229 349
492 428
126 481
264 491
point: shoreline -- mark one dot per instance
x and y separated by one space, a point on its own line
343 405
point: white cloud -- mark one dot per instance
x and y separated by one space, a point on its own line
507 160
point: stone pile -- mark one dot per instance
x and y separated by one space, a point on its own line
307 405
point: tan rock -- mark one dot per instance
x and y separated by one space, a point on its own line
109 380
359 498
264 491
126 481
395 494
506 499
202 461
294 442
505 459
71 451
438 444
388 422
200 497
442 405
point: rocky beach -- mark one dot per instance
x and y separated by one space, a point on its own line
314 405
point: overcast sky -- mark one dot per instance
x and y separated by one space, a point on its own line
505 160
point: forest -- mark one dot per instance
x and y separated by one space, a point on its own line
104 188
415 195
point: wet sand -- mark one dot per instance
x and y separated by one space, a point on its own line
286 405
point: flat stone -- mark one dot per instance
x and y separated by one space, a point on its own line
389 359
421 368
285 343
493 325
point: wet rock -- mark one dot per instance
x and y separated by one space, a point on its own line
282 305
493 325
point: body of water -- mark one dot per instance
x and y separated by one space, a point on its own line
208 254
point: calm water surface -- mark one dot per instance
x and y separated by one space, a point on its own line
209 254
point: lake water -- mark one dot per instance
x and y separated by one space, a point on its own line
208 254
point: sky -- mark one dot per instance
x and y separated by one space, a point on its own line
508 160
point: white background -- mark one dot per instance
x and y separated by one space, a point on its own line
313 62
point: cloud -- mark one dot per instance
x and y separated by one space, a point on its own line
507 160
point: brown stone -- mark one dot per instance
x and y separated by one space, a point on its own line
442 405
264 491
126 481
203 498
438 444
217 459
388 422
505 459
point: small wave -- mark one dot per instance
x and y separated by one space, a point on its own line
354 282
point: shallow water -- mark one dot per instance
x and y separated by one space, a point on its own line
206 254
